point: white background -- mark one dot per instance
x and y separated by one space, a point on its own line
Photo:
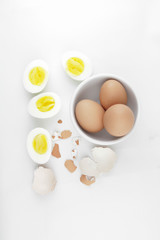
122 38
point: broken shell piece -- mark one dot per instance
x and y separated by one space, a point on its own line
84 179
56 136
104 158
44 180
65 134
55 151
59 121
74 153
76 141
69 164
88 167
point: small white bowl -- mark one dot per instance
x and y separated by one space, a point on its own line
89 89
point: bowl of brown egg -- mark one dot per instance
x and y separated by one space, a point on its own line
104 109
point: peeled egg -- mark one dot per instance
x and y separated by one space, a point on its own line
112 92
118 120
44 180
104 157
39 145
89 115
35 76
88 167
76 65
44 105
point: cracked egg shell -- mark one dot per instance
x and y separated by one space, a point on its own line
104 158
88 167
44 180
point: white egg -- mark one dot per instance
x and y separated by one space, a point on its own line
88 167
34 87
104 158
44 180
41 107
82 74
34 155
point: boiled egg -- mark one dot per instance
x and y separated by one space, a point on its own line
44 105
39 145
112 92
76 65
89 115
35 76
118 120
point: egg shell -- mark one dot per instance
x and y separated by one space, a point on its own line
88 167
87 65
118 120
84 179
26 82
89 115
44 180
39 158
104 157
34 111
112 92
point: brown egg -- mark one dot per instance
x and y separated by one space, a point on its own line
118 120
89 115
112 92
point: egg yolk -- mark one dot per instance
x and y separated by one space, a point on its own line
37 76
40 144
45 104
75 66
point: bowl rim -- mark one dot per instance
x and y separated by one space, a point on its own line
73 117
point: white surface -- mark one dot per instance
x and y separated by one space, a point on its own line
120 37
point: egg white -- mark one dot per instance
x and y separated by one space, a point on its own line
39 158
26 82
87 65
34 111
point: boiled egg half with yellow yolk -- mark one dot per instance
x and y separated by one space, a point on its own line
35 76
76 65
39 145
44 105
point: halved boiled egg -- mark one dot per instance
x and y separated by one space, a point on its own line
44 105
76 65
39 145
35 76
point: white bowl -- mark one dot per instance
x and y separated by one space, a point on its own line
89 89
